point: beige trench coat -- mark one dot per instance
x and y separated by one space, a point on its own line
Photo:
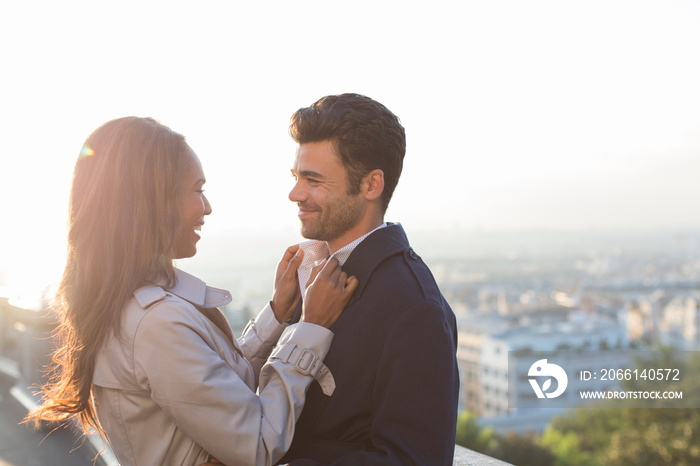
173 388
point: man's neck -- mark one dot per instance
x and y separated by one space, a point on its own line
351 235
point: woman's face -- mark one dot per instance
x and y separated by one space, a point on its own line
194 205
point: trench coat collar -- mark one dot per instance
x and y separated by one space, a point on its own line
187 287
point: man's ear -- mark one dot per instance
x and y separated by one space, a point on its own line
373 184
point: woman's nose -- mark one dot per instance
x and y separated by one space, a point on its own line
207 206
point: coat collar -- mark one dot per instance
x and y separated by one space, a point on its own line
187 287
371 252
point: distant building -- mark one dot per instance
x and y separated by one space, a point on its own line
643 315
495 354
670 318
679 325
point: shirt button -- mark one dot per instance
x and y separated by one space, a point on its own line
413 255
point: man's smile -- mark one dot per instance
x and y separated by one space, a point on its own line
307 211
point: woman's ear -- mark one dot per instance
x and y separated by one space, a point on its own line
373 184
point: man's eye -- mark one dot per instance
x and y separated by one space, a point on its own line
312 181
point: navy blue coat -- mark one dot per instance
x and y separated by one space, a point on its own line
394 362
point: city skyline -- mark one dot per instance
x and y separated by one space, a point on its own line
545 115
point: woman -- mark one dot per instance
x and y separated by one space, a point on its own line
146 358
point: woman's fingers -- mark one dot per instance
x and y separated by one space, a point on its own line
286 293
292 257
327 294
351 285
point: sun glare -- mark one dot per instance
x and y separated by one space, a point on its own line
86 152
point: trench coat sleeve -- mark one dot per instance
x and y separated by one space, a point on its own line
415 394
260 337
176 359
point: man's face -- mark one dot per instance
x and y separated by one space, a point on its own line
326 210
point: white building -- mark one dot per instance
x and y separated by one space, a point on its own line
495 366
679 323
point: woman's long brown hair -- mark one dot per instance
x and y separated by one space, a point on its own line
124 220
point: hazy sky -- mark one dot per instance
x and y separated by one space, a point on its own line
519 114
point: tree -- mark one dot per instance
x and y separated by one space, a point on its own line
566 448
623 433
523 450
470 435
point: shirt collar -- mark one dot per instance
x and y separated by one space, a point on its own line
315 251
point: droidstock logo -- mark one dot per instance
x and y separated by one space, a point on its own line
543 369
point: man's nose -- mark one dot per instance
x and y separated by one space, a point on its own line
297 194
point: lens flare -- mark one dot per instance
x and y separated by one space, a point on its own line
86 152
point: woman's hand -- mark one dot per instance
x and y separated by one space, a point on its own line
327 294
286 291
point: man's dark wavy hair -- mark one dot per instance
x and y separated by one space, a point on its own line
365 134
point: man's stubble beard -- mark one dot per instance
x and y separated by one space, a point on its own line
334 220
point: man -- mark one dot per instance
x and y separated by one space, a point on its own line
393 354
